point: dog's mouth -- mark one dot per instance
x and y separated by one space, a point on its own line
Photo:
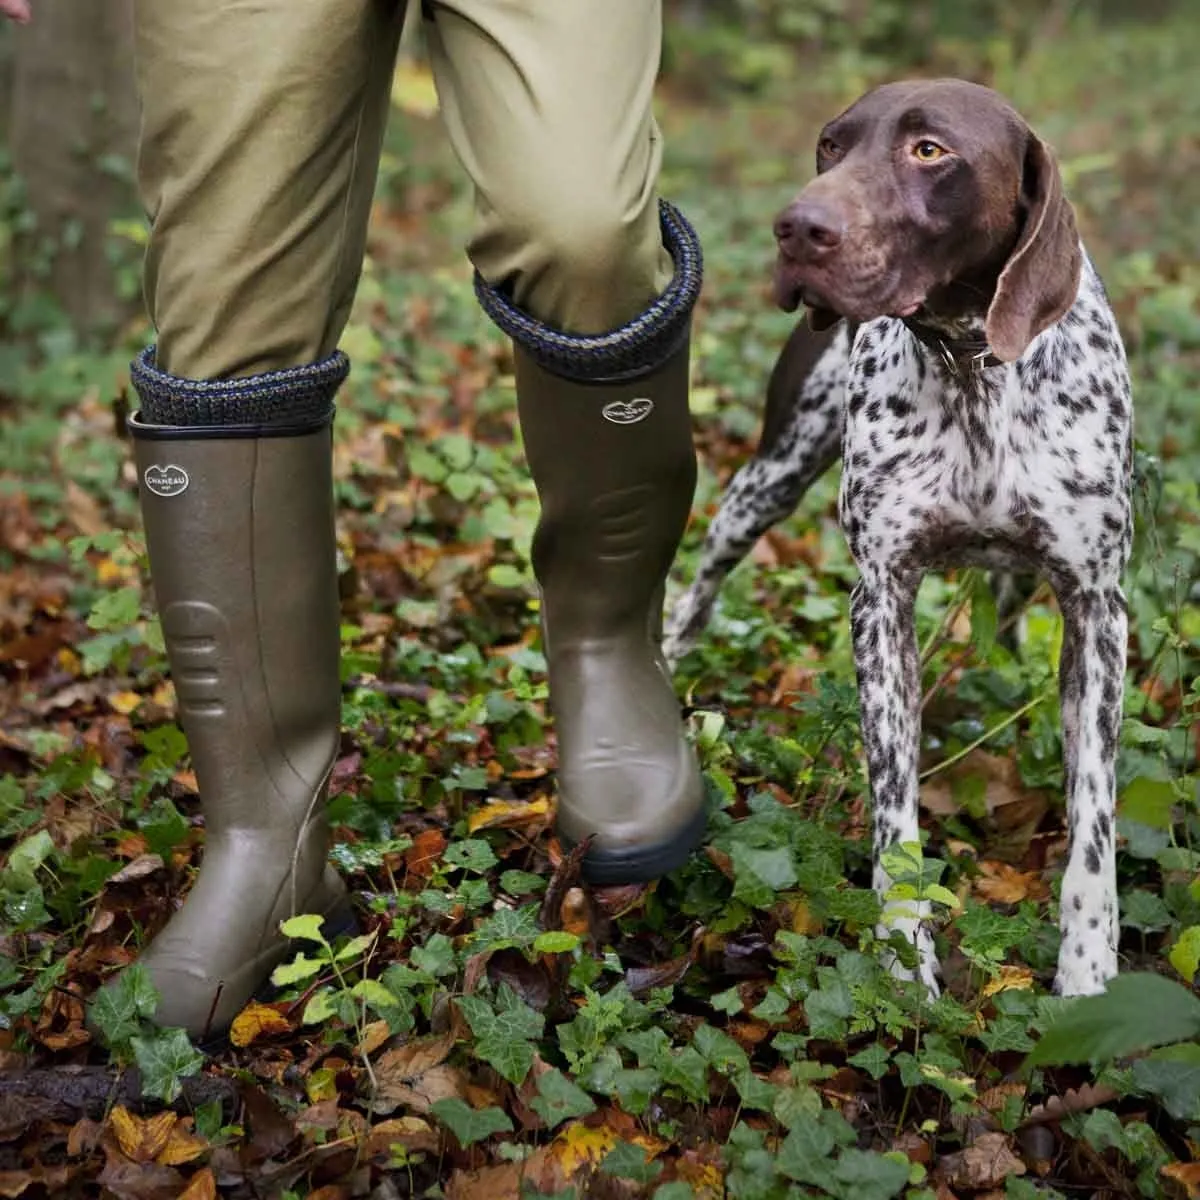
828 299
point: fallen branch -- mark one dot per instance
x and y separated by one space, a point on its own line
93 1090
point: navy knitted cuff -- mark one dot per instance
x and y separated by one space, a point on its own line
295 396
637 347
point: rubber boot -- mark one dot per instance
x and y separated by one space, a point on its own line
240 534
615 473
609 443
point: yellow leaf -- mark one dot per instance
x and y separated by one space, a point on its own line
503 814
182 1146
124 702
255 1021
108 571
1009 979
321 1085
141 1140
581 1145
413 89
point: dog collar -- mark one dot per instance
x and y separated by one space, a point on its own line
962 354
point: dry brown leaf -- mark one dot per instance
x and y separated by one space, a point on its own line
410 1132
1187 1174
140 1181
201 1186
438 1083
374 1034
986 1163
1002 884
257 1021
141 1140
703 1177
52 1179
139 868
426 849
994 1098
504 814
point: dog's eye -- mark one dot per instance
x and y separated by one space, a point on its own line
927 151
828 148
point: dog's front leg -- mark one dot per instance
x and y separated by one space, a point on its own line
1091 683
888 666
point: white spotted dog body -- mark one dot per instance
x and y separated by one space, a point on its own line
987 421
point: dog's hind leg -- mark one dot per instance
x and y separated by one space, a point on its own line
801 439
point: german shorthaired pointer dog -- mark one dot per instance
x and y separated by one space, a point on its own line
964 362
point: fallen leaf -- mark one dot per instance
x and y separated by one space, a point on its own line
995 1098
140 1181
986 1163
124 702
582 1145
183 1145
141 1140
1002 884
410 1132
426 849
1009 979
1187 1174
416 1075
504 814
53 1179
143 865
201 1186
642 980
256 1021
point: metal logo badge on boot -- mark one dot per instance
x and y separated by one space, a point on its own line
628 412
166 481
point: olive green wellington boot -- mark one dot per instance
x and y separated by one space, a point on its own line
609 443
237 499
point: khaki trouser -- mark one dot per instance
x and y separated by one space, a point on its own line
261 131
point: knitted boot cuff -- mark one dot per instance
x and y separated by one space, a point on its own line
296 396
634 349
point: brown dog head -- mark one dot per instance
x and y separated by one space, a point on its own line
932 198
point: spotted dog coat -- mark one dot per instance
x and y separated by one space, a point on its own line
985 422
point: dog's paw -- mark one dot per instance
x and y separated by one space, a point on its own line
927 969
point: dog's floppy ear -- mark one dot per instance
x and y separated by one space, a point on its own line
820 319
1041 278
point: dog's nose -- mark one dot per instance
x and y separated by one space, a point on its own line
809 228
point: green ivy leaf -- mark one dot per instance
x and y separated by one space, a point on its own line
470 1124
628 1161
759 875
868 1176
559 1099
1112 1025
119 1008
165 1058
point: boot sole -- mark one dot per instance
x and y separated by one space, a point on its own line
645 863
